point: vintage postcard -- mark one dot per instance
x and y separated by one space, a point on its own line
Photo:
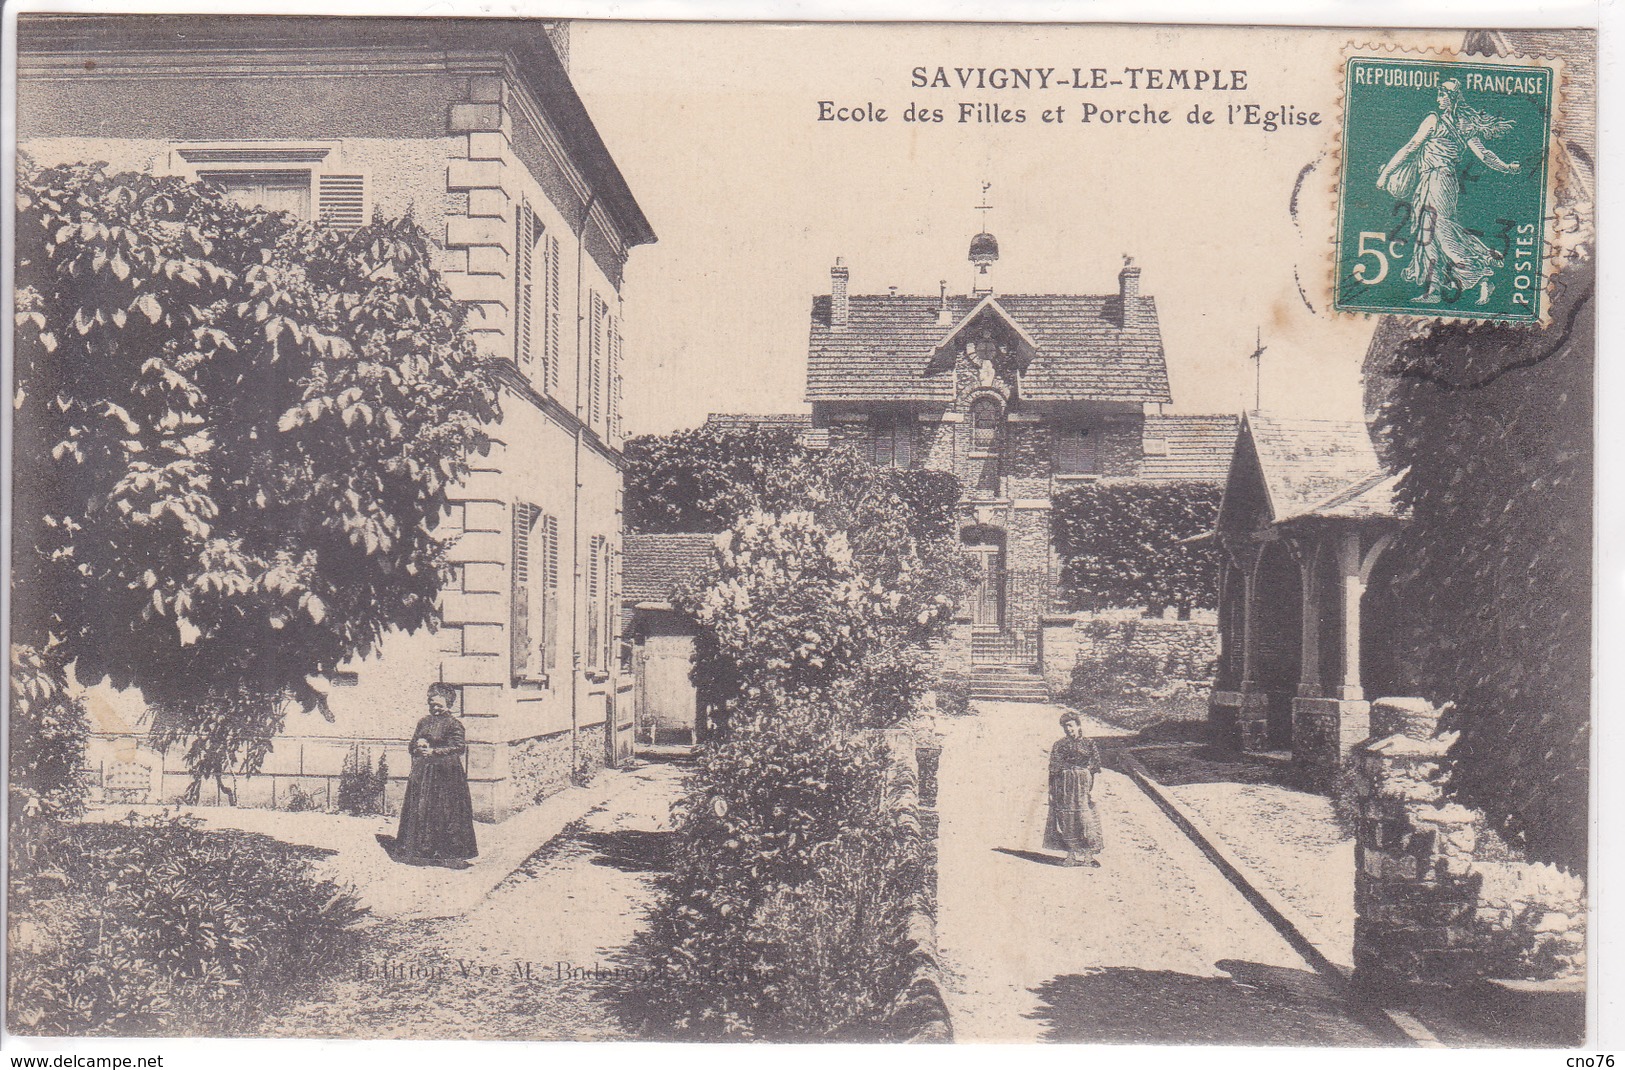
548 529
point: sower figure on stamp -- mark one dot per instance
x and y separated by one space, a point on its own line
1425 173
1074 824
437 816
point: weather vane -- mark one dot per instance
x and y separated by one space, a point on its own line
984 207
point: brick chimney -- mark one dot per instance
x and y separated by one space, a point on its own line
837 295
1128 285
944 316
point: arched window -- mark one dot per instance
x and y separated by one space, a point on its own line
985 419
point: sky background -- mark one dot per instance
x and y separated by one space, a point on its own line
714 127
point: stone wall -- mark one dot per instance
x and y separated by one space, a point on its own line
1429 911
1188 648
540 766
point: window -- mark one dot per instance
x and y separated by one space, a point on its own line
301 180
278 191
984 416
533 625
894 442
536 300
1077 451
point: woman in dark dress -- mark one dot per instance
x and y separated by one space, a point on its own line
437 817
1074 824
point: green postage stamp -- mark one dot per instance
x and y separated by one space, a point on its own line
1445 187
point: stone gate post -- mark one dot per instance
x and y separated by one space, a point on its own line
1415 892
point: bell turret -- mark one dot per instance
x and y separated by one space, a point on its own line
984 250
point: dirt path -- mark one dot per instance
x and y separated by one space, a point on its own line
521 964
1153 947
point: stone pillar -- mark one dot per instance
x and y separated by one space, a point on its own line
1309 641
1415 892
1253 709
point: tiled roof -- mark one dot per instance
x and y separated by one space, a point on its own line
1371 497
750 421
654 566
1198 448
814 438
1083 352
1310 463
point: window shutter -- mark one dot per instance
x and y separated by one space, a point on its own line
341 201
550 594
524 285
905 443
552 327
519 644
595 361
614 378
883 445
611 605
594 586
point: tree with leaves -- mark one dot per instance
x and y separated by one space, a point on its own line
235 435
1491 428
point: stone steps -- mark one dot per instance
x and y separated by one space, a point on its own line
1007 683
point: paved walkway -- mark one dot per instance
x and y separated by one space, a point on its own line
1153 947
528 960
353 854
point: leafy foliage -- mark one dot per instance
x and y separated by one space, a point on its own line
144 925
361 785
48 733
235 433
705 480
1492 427
1120 545
790 885
877 597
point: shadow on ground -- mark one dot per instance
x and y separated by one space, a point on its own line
631 850
1179 752
1256 1004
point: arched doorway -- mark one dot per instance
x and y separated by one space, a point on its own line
1384 664
984 545
1278 654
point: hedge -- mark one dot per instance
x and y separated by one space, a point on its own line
1120 545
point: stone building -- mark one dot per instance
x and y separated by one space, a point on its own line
473 126
1307 512
1021 396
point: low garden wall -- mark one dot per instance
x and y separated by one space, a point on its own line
1144 668
919 1011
